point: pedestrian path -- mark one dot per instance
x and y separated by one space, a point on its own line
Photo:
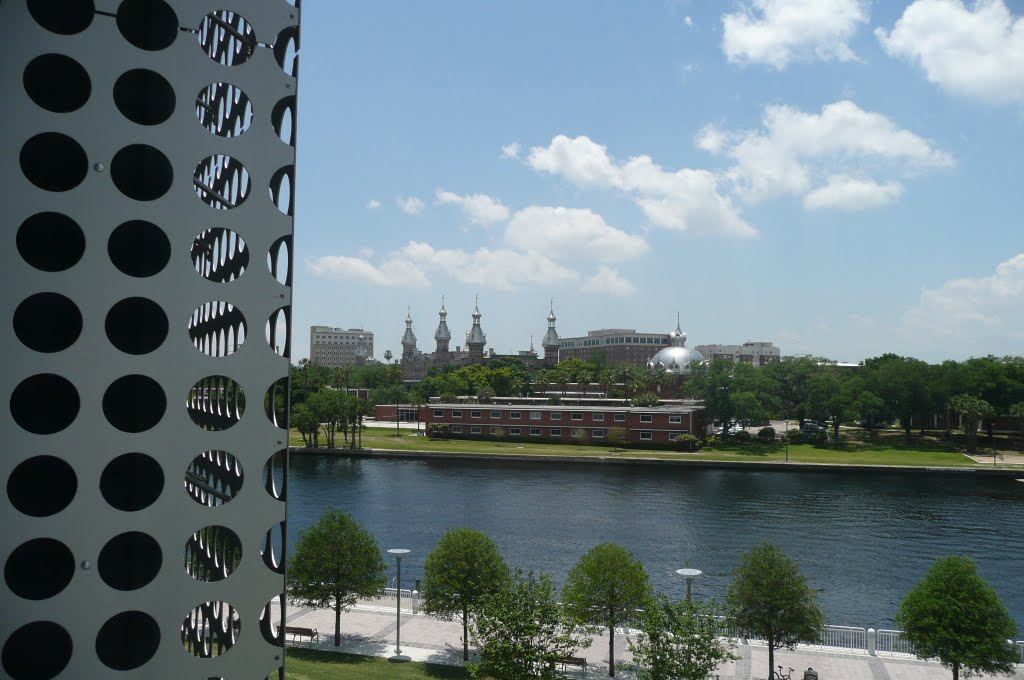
372 633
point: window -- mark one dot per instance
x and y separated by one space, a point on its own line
598 417
646 434
534 431
556 432
514 415
556 415
496 414
620 417
494 430
438 413
576 415
457 429
475 429
645 417
534 415
675 419
474 414
598 434
456 414
513 432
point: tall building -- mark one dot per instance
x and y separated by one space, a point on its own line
619 345
337 347
475 339
550 343
149 177
753 353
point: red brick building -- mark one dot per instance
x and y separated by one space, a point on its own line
643 425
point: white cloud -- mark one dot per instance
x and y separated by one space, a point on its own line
571 232
796 149
975 52
711 139
410 205
392 272
608 281
688 21
372 204
502 269
510 151
777 32
849 193
479 208
974 308
685 199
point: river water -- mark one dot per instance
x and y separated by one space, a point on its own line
862 539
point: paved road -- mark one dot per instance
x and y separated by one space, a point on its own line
372 633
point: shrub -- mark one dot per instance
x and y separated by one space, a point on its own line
646 399
616 393
743 437
711 441
554 400
816 438
795 436
766 434
686 442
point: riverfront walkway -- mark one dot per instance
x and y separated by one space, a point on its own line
372 633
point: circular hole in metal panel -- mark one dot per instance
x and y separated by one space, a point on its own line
127 640
219 255
54 162
44 403
136 325
131 482
129 561
212 553
150 25
47 322
134 403
65 17
144 97
141 172
57 83
39 569
139 248
37 651
215 403
42 486
50 241
227 38
214 478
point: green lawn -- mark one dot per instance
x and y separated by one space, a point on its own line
310 664
888 448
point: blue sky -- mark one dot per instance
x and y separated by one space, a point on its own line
841 177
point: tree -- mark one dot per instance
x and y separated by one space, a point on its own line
954 615
459 573
617 436
578 436
522 631
769 598
305 422
499 436
971 410
335 562
679 641
388 355
605 588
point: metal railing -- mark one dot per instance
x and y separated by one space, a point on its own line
843 637
384 601
892 642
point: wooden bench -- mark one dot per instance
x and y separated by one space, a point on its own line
577 661
300 632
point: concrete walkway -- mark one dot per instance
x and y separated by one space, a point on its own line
372 633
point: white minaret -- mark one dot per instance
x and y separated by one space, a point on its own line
550 342
475 339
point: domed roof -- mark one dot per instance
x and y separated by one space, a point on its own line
677 358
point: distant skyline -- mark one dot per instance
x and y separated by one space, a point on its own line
840 177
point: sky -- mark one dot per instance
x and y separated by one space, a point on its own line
840 177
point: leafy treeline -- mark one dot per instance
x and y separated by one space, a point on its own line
522 631
884 389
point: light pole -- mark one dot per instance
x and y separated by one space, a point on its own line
398 553
787 441
689 574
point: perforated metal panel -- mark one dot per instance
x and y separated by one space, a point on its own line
147 157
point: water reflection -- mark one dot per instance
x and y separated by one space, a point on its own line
863 539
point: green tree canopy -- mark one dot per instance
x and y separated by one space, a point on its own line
955 616
679 641
335 562
459 573
606 588
971 410
770 598
521 631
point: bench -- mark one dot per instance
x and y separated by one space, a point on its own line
300 632
577 661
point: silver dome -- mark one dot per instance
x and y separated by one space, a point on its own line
677 358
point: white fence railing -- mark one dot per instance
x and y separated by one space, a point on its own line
384 601
849 638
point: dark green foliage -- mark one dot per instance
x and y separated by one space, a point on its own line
678 641
606 588
646 399
686 442
766 434
955 616
617 436
743 437
521 631
459 573
335 562
769 598
971 410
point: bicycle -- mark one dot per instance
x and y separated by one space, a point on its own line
779 676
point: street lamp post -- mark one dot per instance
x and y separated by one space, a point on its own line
398 553
787 441
689 574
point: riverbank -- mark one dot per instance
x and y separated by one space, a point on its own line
671 460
